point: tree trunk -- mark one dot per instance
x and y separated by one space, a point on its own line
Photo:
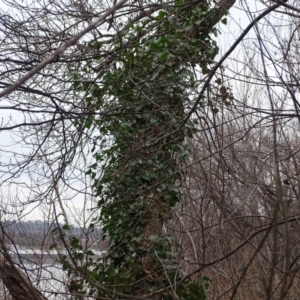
18 285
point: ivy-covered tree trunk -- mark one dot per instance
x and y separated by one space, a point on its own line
148 94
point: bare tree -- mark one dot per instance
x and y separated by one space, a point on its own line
238 222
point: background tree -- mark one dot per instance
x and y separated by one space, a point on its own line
138 89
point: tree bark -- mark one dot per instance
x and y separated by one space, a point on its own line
18 285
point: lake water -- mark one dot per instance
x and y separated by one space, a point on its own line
45 272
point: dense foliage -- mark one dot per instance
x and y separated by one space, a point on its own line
147 93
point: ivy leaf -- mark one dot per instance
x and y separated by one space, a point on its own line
74 242
66 227
224 21
90 252
161 15
215 110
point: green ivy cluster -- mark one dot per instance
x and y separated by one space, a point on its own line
147 95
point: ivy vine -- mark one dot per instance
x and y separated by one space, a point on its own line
147 95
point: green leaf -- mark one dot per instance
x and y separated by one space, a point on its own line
90 252
88 124
146 177
218 81
178 2
53 246
66 227
74 242
215 110
224 21
79 256
100 202
161 15
94 275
